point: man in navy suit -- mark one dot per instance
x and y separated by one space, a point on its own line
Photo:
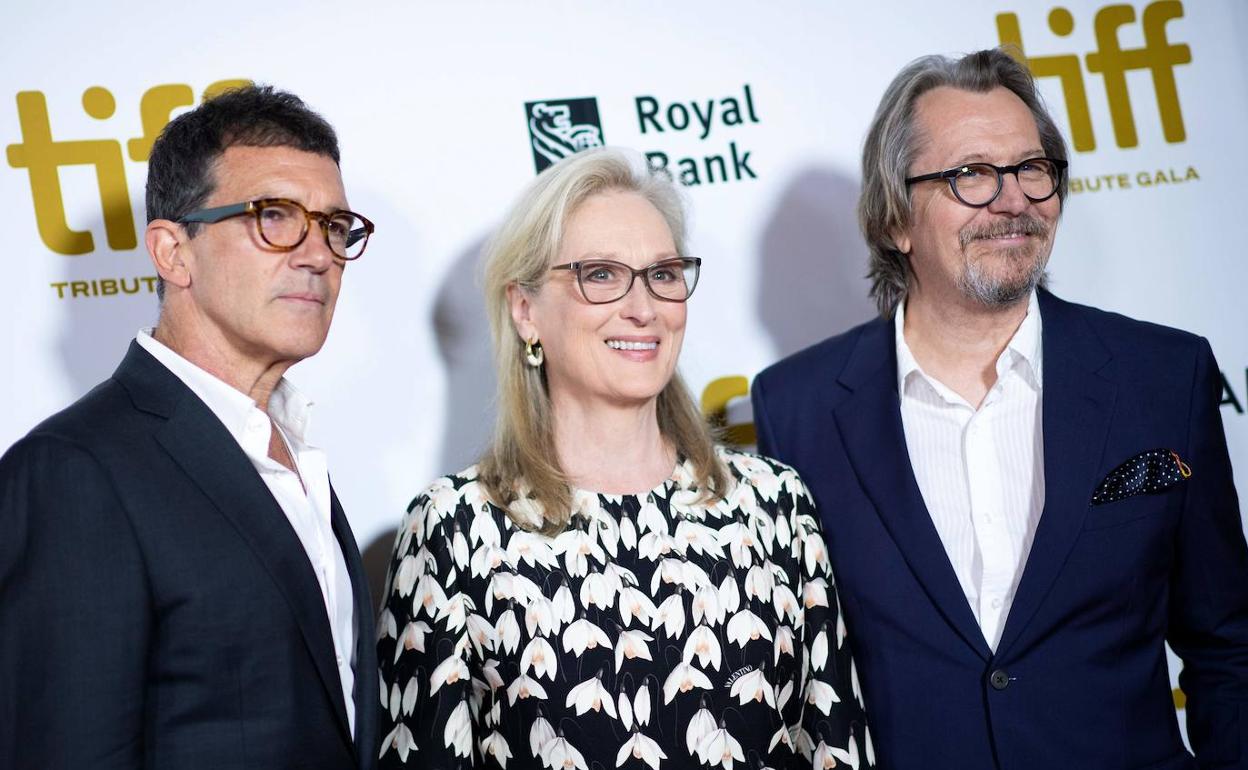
1024 498
179 586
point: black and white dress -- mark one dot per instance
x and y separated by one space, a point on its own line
655 631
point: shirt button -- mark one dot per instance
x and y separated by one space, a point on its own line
999 679
996 604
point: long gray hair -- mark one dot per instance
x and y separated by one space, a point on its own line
892 144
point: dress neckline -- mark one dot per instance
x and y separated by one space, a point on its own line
679 476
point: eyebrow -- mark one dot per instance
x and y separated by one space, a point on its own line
613 257
331 210
979 157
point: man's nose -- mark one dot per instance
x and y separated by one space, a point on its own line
314 253
1011 199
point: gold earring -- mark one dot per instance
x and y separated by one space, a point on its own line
533 353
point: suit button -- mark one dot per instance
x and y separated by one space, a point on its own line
999 679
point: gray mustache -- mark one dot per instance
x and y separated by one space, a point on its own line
1023 225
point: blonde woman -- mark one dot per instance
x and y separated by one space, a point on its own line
607 588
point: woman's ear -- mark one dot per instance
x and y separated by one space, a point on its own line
522 312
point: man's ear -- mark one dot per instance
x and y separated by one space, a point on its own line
521 304
901 240
169 248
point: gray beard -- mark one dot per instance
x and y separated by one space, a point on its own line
991 291
995 292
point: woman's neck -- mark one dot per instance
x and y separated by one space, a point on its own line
611 449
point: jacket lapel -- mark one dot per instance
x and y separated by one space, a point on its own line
1078 406
208 454
870 421
366 686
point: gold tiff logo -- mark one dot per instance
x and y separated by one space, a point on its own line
42 157
1112 62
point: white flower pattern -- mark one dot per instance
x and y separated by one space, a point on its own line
660 630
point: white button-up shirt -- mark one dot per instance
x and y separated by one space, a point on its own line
308 511
981 471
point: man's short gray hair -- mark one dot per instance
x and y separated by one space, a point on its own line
892 144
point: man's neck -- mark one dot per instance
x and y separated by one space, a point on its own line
958 343
255 380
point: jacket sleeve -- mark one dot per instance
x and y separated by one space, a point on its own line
1209 601
762 425
74 614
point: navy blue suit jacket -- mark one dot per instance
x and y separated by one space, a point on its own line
156 608
1081 668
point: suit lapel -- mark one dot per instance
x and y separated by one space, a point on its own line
212 459
870 420
1078 405
366 692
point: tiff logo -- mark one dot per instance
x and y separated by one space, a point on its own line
42 156
1112 62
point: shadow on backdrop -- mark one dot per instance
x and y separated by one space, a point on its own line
812 282
463 336
113 303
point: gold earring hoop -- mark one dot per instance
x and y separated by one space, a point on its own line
533 353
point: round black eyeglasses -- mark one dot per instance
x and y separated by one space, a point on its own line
979 184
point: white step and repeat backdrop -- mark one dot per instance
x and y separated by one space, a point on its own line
444 111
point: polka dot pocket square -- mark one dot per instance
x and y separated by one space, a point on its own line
1148 473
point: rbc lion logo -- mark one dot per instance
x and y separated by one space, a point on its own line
562 127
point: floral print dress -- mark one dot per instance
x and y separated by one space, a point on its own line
655 630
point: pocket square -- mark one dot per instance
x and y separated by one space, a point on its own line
1145 474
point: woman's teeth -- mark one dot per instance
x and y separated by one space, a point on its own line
624 345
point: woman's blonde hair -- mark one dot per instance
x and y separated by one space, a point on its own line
522 460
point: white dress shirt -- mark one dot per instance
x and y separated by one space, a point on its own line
307 511
981 471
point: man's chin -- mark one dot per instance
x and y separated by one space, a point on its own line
296 350
1000 290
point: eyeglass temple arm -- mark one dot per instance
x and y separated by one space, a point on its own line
937 175
210 216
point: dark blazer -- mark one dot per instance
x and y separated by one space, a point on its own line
156 608
1079 677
